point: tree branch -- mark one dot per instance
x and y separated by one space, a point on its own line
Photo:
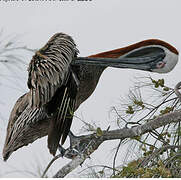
70 166
156 153
95 141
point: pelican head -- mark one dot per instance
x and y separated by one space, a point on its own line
150 55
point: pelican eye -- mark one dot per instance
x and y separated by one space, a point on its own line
160 64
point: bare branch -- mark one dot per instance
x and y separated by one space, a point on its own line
123 133
156 153
50 163
70 166
115 156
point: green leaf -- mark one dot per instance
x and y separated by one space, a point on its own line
99 132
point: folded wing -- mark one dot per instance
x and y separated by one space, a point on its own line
49 67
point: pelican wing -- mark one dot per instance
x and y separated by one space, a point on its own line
21 121
65 99
25 130
17 110
49 67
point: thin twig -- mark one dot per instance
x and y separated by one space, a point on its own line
114 160
103 166
118 134
50 163
155 154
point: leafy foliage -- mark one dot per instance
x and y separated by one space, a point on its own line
160 149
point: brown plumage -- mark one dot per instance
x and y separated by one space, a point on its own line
57 89
52 83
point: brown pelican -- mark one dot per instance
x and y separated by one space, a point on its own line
59 81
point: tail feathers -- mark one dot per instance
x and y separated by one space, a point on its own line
60 124
68 123
54 136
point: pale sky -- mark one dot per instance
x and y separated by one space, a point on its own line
96 26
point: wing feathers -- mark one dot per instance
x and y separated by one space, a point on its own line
48 68
60 125
68 122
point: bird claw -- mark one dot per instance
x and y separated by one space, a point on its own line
61 150
68 153
77 147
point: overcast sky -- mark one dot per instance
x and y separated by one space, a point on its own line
96 26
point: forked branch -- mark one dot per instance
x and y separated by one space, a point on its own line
94 141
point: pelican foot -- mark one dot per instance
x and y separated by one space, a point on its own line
77 143
78 146
68 153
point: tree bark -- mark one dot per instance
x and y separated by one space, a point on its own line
95 141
